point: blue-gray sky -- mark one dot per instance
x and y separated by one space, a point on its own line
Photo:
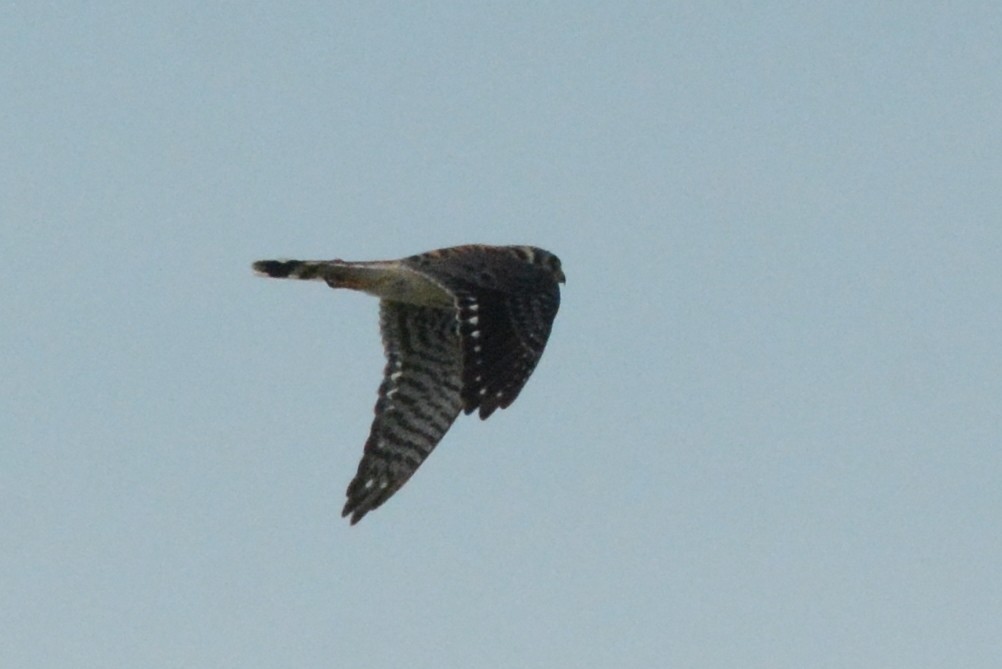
766 429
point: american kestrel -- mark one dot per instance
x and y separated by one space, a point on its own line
462 328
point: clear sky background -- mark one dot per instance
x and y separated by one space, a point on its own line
766 431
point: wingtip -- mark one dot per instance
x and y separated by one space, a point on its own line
357 505
350 511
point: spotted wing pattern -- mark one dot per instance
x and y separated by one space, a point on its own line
506 298
503 336
419 399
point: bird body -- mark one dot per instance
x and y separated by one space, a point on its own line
462 328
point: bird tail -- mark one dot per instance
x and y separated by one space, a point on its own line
294 269
369 277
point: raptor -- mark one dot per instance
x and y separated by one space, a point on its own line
463 329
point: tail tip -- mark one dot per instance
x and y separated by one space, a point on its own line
277 269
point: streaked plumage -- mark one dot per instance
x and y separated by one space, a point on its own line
463 328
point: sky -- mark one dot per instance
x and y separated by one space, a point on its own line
766 428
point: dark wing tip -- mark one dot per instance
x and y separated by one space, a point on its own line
362 500
357 507
356 515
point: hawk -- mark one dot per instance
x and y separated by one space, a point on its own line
462 329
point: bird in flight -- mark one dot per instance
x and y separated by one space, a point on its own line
462 328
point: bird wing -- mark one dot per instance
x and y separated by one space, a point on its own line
419 399
502 336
